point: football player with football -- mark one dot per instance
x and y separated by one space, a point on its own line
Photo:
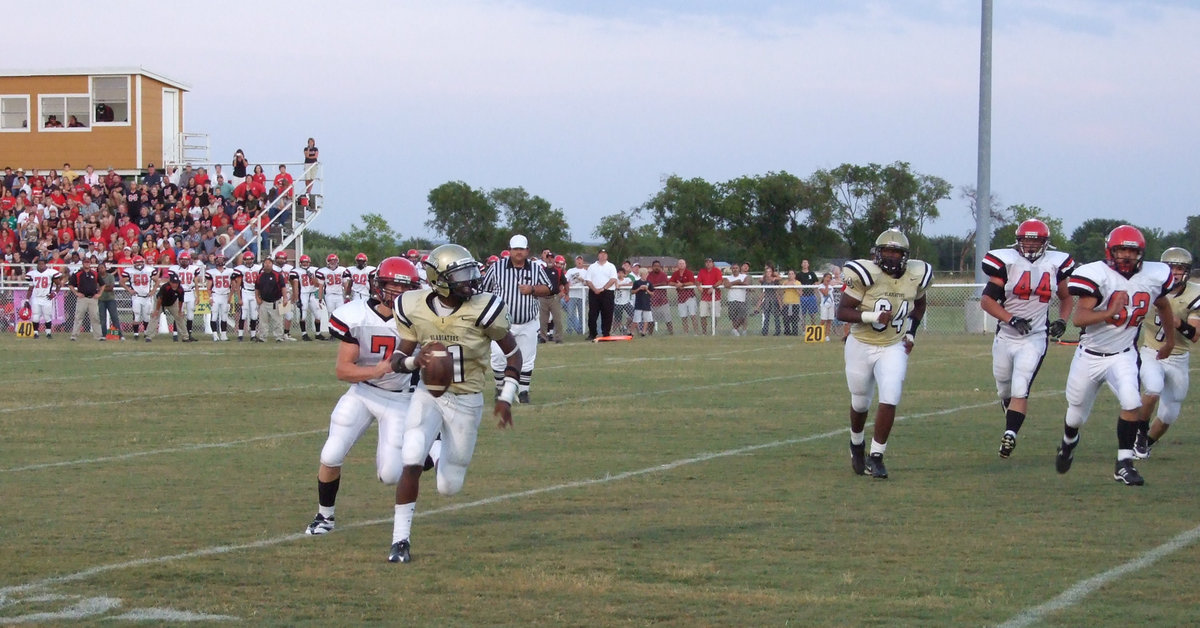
884 300
1021 281
455 312
1113 296
1165 382
368 337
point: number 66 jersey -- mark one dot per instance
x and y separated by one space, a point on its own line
1099 280
878 291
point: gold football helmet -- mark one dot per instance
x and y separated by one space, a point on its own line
891 240
452 271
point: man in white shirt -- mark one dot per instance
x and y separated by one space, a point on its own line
601 281
577 292
736 282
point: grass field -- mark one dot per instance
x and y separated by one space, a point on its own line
673 481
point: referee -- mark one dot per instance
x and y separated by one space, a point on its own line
518 281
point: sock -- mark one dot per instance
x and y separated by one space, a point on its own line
402 526
253 326
1143 427
499 377
189 328
1070 436
303 327
1126 435
1150 440
327 493
857 438
317 327
877 447
1013 421
1004 403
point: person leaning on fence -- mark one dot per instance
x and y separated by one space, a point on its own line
790 302
684 282
623 300
709 278
577 293
808 297
169 301
827 306
643 317
768 301
660 303
85 285
739 277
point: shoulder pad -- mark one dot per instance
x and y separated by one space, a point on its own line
861 270
491 311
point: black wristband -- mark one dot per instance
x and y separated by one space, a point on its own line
1187 329
912 328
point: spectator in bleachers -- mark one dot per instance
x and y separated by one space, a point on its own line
311 155
259 176
240 166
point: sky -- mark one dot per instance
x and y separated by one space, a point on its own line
591 105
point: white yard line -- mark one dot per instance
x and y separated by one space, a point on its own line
107 402
225 549
1078 591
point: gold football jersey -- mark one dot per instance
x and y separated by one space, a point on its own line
1183 305
467 332
878 291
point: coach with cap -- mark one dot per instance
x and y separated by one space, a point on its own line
519 281
601 280
268 292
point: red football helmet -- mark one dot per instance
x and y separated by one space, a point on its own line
504 253
412 253
558 259
332 260
248 257
185 258
394 276
1033 237
1125 237
360 260
492 259
305 261
138 261
281 256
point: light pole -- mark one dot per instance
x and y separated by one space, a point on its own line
983 174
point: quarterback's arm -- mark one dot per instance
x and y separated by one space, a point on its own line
1086 313
1163 305
348 369
512 370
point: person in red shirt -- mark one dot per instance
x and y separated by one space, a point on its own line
166 257
260 176
112 180
128 231
249 191
66 234
283 182
684 281
57 197
241 219
201 178
220 220
709 278
660 304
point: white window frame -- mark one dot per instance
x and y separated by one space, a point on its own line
17 129
128 100
41 118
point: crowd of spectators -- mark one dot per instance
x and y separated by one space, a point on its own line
61 215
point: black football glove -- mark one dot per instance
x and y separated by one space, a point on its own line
1057 329
1022 325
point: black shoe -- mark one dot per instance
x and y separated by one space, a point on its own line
1141 447
240 339
542 340
321 337
1064 458
320 525
305 338
1008 443
523 396
1124 472
858 462
399 553
174 338
875 467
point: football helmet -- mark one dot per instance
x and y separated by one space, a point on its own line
360 260
394 276
891 240
332 260
1125 237
305 261
139 262
281 258
185 258
248 258
492 259
452 271
1033 238
413 254
505 253
558 259
219 260
1178 259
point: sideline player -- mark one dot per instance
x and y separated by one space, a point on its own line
1113 297
306 283
1021 281
359 277
333 277
1165 382
44 282
220 282
140 281
456 313
245 275
289 312
884 300
186 273
368 337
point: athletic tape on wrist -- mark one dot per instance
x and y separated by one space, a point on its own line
870 317
509 392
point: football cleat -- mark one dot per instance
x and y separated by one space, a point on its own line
306 338
875 467
320 525
523 396
1008 443
1064 458
400 552
1141 447
1124 472
858 462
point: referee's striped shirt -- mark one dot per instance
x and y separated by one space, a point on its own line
502 279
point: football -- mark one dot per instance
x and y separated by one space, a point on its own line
439 372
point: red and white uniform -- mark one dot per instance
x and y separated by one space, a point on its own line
309 301
248 276
1028 289
188 277
333 278
1105 354
360 282
384 399
220 284
141 283
42 299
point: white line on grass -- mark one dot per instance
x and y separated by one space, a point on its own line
106 374
106 402
225 549
1084 588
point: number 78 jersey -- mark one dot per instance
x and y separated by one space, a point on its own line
1028 286
878 291
1098 280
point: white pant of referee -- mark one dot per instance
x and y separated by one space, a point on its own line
526 335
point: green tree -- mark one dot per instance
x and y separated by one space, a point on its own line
1087 241
463 215
687 214
865 200
375 238
531 216
1188 237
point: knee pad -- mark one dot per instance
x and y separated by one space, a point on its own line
450 478
860 403
1168 411
1077 416
333 454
